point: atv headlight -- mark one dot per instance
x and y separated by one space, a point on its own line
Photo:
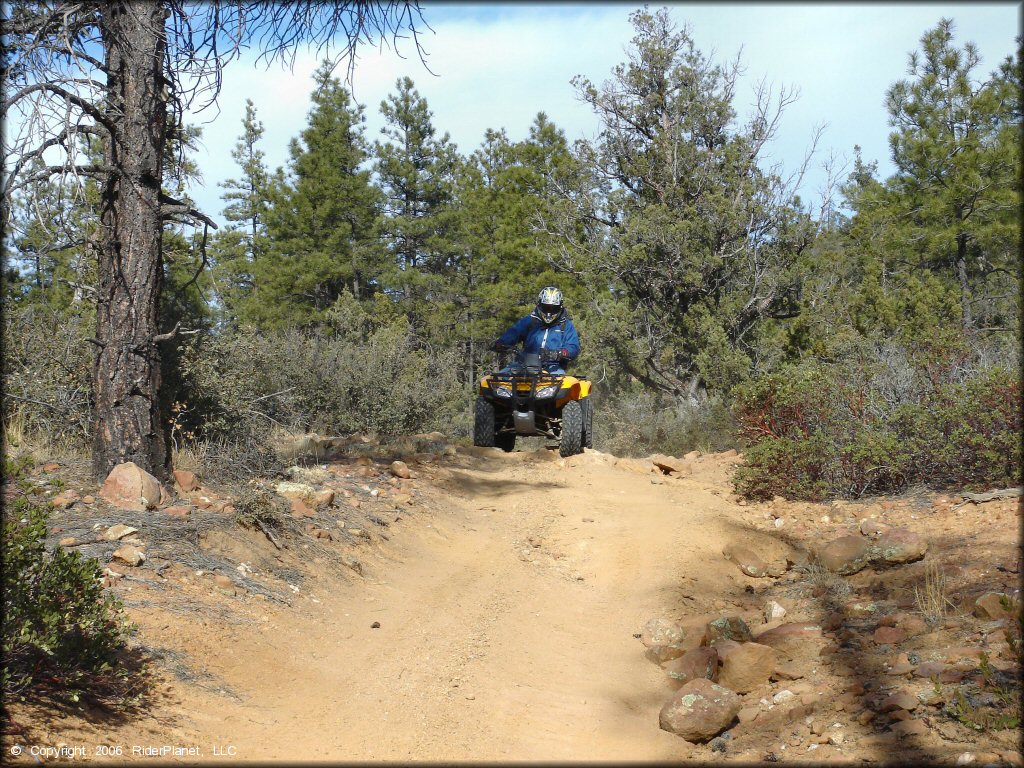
547 391
501 391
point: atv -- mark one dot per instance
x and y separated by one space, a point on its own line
524 399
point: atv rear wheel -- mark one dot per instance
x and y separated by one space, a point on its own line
572 429
588 423
483 424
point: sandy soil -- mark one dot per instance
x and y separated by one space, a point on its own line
497 619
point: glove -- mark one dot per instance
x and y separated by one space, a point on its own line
563 354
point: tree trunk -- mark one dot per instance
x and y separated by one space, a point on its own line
128 423
965 287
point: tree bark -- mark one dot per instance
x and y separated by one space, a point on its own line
128 423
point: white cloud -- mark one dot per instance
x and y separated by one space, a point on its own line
498 65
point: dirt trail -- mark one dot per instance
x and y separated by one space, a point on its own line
507 623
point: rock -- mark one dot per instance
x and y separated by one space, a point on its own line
859 609
663 640
400 469
746 560
789 638
871 527
353 564
185 481
787 671
323 498
291 490
726 628
993 606
697 662
913 625
899 700
929 669
119 531
899 545
783 695
910 727
747 667
773 611
64 500
889 636
51 467
699 711
671 466
728 454
301 509
177 512
128 486
130 554
88 499
845 555
223 581
402 498
67 541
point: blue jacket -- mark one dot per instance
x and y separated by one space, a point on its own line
535 336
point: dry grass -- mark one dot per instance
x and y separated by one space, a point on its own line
836 589
931 597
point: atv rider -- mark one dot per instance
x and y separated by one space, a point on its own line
547 331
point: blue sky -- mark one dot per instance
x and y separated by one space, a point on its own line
497 65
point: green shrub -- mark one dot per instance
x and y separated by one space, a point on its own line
852 428
63 634
639 422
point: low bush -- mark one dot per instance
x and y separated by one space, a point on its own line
857 427
63 634
639 423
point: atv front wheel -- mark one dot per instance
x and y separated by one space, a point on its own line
572 429
483 424
506 441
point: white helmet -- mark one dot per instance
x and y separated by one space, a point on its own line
549 305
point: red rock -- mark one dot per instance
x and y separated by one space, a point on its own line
900 545
699 710
185 480
993 605
785 635
889 636
323 498
67 541
178 512
64 500
787 671
400 469
747 667
726 627
845 555
51 467
929 669
129 554
746 560
300 509
909 727
913 626
697 662
88 499
663 640
128 486
899 700
223 581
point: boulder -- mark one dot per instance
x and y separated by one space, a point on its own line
748 561
747 667
186 481
128 486
129 554
64 500
772 611
845 555
898 545
300 491
992 606
400 469
695 663
699 711
119 531
323 498
791 638
726 628
889 635
663 640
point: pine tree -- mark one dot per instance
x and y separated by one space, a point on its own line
323 218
